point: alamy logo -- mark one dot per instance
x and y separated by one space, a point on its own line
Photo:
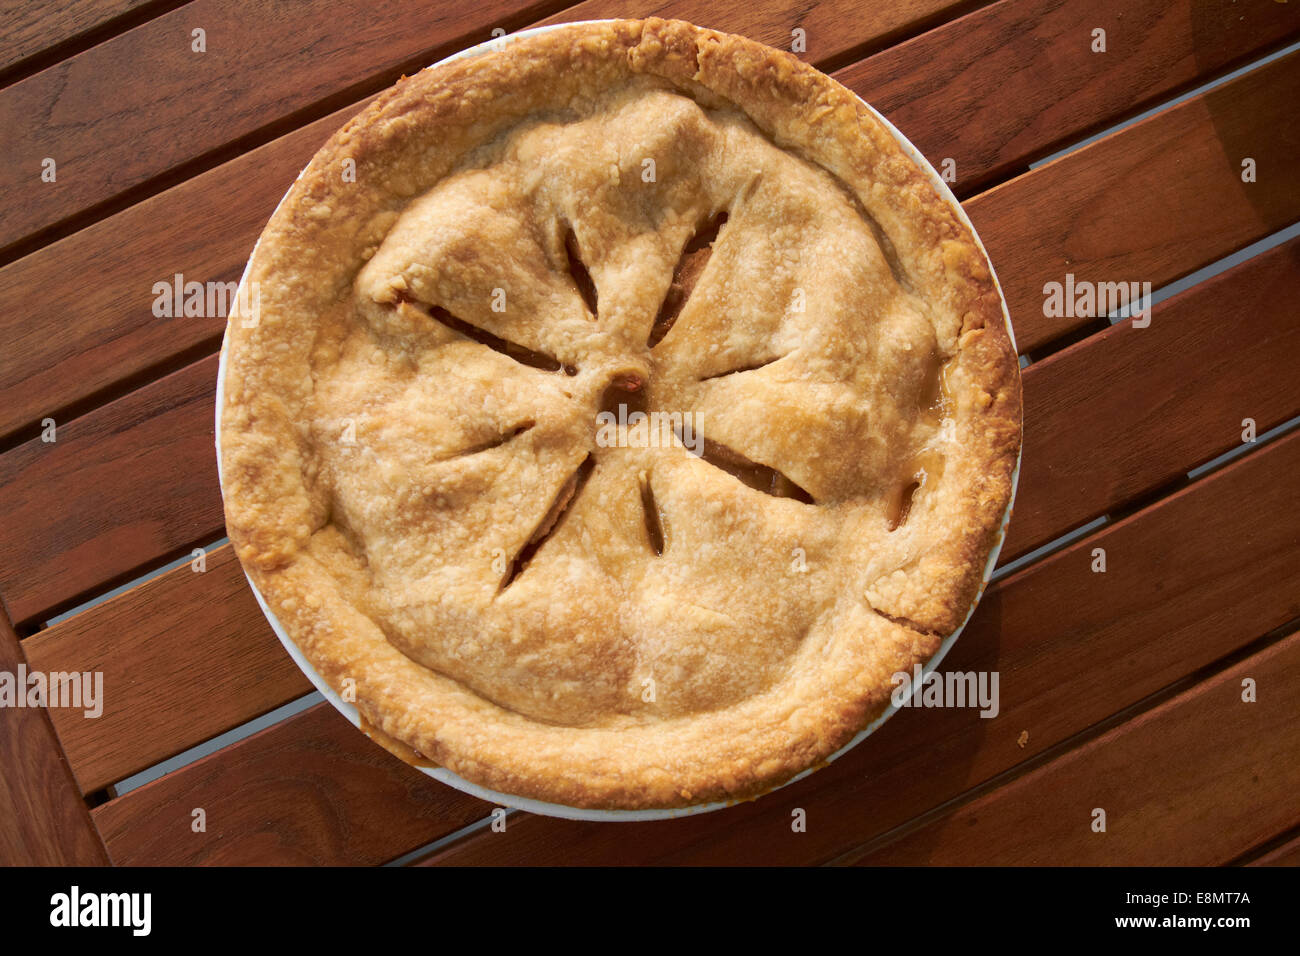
75 689
205 300
649 430
1083 299
74 908
953 689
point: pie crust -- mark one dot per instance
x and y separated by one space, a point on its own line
636 213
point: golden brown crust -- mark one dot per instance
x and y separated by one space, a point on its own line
768 630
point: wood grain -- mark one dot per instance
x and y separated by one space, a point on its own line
1193 782
1143 417
1017 80
119 490
32 28
1189 580
309 790
43 821
143 103
177 639
1150 203
68 341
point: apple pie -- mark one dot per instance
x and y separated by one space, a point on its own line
615 413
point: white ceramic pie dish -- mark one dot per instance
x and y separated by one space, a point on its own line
443 775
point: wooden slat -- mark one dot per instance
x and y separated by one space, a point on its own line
1018 79
107 330
143 103
1194 782
177 638
1113 394
1124 412
1288 854
160 652
307 791
43 821
67 340
32 28
1189 580
1150 203
121 487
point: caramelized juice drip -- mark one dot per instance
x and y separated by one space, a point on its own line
395 747
899 504
936 395
918 471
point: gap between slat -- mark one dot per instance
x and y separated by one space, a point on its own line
213 744
69 47
1165 105
133 583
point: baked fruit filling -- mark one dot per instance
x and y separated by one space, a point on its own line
623 461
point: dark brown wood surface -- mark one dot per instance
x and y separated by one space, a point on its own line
83 343
1013 81
1287 854
41 32
1196 781
145 104
130 483
309 790
1220 353
170 162
1169 202
43 821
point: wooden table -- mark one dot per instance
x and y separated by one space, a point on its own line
1120 690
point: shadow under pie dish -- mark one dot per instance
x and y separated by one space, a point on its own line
433 470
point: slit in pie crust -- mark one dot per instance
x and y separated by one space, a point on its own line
636 218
